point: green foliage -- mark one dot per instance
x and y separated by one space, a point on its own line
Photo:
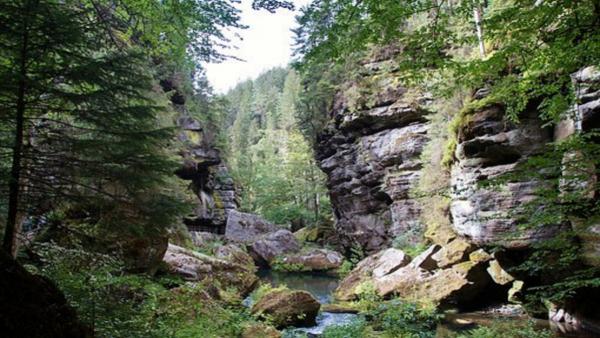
355 329
263 289
116 304
89 120
368 298
281 265
508 329
402 319
357 253
526 60
345 269
269 157
411 241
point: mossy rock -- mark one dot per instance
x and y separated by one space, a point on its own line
284 308
260 330
307 234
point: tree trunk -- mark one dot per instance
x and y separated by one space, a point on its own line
477 15
10 234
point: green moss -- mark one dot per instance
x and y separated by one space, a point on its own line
459 121
280 265
218 201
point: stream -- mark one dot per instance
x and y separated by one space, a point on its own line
322 286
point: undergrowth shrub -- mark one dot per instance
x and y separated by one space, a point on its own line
117 304
404 319
351 330
507 329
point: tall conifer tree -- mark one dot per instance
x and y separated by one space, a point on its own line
82 125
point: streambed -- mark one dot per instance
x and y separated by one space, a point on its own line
322 287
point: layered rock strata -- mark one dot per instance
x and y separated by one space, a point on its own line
371 152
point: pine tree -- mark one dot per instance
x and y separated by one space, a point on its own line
83 127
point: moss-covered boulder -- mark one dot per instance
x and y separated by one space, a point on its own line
235 254
456 251
307 234
460 283
260 330
195 266
499 274
285 308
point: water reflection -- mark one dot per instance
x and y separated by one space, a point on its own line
320 285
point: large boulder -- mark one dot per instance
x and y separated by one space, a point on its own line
32 306
315 260
383 262
425 259
455 251
458 284
287 308
194 266
390 260
266 249
235 254
246 228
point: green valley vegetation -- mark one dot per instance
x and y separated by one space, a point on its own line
270 158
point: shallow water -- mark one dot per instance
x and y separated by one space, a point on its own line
320 285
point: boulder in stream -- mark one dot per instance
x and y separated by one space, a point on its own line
287 308
315 260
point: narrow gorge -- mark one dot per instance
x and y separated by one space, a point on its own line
296 169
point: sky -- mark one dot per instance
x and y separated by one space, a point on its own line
267 43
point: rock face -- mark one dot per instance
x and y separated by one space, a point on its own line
315 260
587 112
287 308
209 178
194 266
489 146
273 245
246 228
33 306
370 152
